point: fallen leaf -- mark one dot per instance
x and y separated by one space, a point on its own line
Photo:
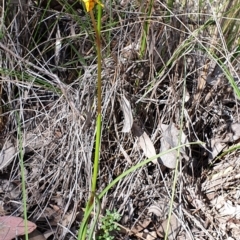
127 113
147 235
173 230
216 147
129 52
7 154
68 219
10 227
139 226
58 46
168 159
235 128
170 139
144 142
125 155
35 140
147 146
49 233
9 189
230 210
36 235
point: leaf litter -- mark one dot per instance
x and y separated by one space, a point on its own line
55 96
11 227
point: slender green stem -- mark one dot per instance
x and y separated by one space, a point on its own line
146 29
24 195
97 28
97 151
96 217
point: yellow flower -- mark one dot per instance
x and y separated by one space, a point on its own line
89 4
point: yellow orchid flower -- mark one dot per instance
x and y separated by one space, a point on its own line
89 4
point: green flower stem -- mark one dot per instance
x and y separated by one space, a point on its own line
97 28
24 194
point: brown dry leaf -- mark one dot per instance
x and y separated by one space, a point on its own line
235 128
68 220
129 52
52 213
144 142
230 210
147 146
218 179
7 154
174 228
170 140
125 155
127 112
147 235
2 210
36 235
169 159
216 147
49 233
9 189
10 227
35 140
138 227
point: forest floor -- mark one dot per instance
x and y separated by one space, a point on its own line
170 76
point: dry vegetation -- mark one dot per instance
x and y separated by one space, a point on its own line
185 81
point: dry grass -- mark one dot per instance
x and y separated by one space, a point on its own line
54 93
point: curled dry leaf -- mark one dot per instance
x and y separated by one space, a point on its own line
160 208
50 232
155 210
10 227
7 154
127 112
